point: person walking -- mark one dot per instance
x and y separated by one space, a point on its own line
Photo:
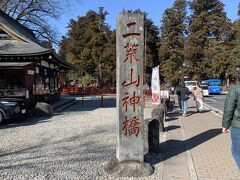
183 93
198 97
178 93
231 119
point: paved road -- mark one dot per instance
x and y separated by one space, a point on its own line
216 101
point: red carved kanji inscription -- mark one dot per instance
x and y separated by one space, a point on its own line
130 100
132 52
136 82
131 126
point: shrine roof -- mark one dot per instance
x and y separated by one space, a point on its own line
18 40
13 47
20 64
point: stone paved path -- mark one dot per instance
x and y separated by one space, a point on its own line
210 149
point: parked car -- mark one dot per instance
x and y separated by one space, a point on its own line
190 84
12 108
204 82
205 90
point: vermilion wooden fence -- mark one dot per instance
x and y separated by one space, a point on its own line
87 91
92 91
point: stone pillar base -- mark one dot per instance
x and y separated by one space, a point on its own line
129 168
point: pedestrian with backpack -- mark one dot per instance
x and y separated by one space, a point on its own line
183 94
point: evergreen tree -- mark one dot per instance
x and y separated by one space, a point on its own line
234 57
109 63
152 46
173 30
207 46
88 46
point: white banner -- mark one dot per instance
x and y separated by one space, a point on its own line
155 86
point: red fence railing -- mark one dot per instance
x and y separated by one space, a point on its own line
93 91
87 91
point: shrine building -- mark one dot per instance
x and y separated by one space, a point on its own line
27 69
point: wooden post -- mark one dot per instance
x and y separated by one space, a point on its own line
101 100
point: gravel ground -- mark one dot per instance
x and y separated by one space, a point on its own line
74 144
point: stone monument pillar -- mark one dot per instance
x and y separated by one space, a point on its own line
130 97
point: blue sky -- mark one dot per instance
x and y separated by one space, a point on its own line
154 8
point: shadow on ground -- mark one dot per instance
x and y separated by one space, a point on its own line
91 104
66 155
189 113
175 147
169 128
171 119
80 106
171 148
28 121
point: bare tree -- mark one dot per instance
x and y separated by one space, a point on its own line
35 14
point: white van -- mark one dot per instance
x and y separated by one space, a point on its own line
190 84
205 90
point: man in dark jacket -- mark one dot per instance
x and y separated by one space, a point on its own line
183 95
231 118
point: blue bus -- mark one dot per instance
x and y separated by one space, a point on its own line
214 86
